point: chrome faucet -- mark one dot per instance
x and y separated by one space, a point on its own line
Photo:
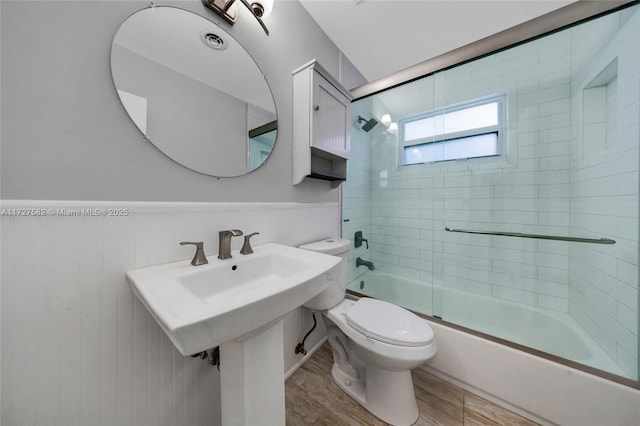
224 242
360 262
199 258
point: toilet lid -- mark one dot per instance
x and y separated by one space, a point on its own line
388 323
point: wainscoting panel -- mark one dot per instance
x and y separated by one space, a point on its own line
77 346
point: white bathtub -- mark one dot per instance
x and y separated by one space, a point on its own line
547 392
542 329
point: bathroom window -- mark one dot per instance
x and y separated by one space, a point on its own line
470 129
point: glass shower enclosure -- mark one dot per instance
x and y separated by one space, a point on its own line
501 194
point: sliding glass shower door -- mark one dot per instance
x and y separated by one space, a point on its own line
502 194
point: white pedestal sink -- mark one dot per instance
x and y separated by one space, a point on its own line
237 304
252 379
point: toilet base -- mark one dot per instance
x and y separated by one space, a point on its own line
388 395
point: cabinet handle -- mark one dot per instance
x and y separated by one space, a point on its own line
316 108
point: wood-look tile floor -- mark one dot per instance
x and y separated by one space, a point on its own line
312 398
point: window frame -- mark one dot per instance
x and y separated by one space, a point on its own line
499 129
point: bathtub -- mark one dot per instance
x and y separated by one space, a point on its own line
542 329
543 388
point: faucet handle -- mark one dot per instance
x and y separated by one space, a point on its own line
358 240
246 247
199 258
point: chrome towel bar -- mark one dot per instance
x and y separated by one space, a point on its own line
536 236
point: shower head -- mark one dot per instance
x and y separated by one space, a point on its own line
369 124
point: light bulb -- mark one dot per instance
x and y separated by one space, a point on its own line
262 8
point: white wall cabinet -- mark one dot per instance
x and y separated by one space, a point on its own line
321 125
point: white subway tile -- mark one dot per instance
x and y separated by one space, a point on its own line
514 295
555 303
543 185
627 361
628 318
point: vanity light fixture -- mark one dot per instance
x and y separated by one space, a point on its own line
260 9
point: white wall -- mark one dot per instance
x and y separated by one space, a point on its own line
76 346
185 120
65 135
79 349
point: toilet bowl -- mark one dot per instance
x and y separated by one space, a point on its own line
375 344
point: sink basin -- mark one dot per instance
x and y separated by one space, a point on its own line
200 307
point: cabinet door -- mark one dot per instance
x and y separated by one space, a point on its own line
330 118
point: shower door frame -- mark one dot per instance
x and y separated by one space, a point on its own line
557 20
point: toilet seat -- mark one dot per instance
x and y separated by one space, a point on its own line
388 323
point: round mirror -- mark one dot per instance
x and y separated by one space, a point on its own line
193 91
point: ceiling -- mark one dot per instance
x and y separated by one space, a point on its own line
173 38
381 37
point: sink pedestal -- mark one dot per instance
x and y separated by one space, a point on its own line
252 379
242 302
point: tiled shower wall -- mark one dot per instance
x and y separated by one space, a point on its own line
526 191
604 188
79 349
543 185
356 192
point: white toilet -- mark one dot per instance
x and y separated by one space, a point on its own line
375 344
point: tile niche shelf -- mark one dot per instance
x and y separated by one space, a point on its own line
321 114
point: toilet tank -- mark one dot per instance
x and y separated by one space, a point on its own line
335 293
